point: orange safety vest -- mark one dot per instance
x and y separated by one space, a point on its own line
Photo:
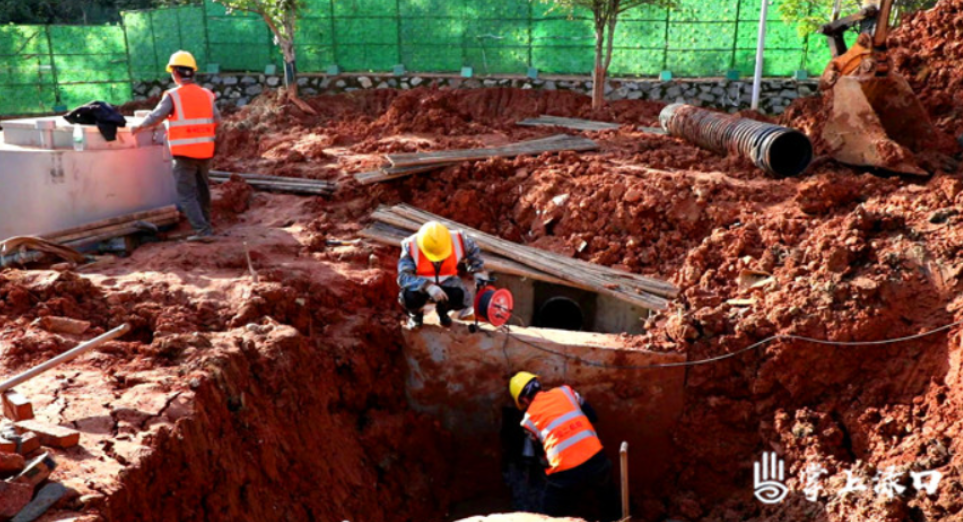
190 128
557 420
449 267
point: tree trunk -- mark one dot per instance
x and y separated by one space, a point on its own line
598 75
290 70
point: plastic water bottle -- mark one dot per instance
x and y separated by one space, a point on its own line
79 137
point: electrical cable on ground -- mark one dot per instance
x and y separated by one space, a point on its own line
780 337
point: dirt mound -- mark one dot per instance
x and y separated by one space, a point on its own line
481 110
928 52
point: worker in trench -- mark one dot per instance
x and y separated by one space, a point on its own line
192 119
560 423
431 267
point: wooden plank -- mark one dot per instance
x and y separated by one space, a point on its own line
428 158
653 130
392 236
413 217
572 271
252 178
553 144
136 216
388 174
570 123
538 259
120 229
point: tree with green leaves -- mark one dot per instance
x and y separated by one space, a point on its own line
281 17
809 15
605 15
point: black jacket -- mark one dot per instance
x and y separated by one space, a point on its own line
104 115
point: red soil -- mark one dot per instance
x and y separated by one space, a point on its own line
239 401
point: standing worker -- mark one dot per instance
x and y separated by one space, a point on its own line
192 120
430 268
561 422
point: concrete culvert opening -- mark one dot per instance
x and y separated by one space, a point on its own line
560 313
460 379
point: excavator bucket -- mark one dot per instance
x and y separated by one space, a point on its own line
878 122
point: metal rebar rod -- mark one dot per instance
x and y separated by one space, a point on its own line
64 357
624 458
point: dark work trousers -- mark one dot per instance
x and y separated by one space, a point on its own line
567 490
194 192
415 301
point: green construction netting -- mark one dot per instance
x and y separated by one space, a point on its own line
501 36
43 66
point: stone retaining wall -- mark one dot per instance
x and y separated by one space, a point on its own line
731 95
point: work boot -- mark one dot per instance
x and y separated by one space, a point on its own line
201 238
444 319
415 321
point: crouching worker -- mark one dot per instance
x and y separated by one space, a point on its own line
560 422
430 269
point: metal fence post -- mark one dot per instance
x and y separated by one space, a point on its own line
207 35
531 41
398 28
153 42
665 43
53 66
735 35
180 36
334 36
130 72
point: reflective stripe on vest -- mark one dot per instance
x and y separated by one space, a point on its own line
449 267
557 420
191 127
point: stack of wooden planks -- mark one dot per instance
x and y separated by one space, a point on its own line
402 165
147 221
28 249
313 187
392 224
569 123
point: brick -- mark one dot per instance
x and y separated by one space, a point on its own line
16 407
37 470
29 443
13 498
50 434
63 325
11 463
7 446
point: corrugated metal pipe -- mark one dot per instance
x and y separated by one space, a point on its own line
776 149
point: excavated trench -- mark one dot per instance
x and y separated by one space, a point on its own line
378 423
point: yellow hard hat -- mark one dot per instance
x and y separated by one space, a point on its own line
434 240
518 383
181 59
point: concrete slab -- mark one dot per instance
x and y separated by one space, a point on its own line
462 379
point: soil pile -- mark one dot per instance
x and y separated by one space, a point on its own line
852 257
928 52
